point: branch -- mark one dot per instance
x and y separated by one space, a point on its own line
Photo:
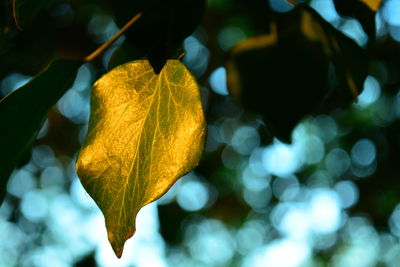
293 2
107 44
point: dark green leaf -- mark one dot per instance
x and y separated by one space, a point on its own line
123 54
24 11
351 65
23 111
350 62
163 26
286 75
283 83
360 11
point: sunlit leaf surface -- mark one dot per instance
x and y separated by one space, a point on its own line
145 131
23 111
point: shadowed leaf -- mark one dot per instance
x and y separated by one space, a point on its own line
23 111
363 11
285 75
290 74
281 82
349 59
145 131
164 25
123 54
24 11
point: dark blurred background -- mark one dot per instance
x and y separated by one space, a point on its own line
330 197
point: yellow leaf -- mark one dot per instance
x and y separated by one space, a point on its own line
145 131
372 4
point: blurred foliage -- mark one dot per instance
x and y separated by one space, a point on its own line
323 76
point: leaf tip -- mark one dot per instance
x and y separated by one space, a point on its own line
117 244
118 251
117 240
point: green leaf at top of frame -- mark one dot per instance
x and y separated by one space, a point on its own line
145 131
24 11
23 111
162 28
125 53
362 10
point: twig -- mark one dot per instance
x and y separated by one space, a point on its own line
107 44
293 2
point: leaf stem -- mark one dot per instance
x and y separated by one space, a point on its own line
107 44
293 2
